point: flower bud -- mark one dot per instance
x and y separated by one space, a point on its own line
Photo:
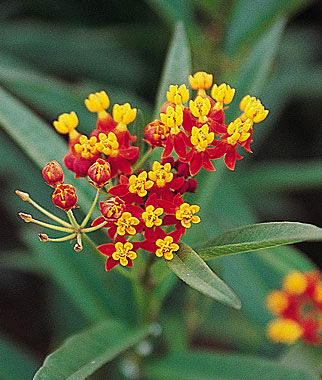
26 217
156 133
65 197
22 195
113 208
43 237
53 174
99 172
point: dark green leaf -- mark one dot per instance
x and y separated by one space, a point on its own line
15 364
250 19
188 266
259 236
177 66
208 366
84 353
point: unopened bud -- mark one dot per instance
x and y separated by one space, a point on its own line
53 173
26 217
78 247
113 208
99 172
43 237
65 197
156 133
22 195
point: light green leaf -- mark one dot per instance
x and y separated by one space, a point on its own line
211 366
177 66
188 266
251 77
84 353
259 236
251 18
15 364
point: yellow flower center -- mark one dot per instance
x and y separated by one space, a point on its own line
125 224
200 80
200 108
151 216
98 102
178 95
86 147
123 114
201 138
277 302
123 252
166 247
238 131
108 144
160 174
139 184
295 283
186 214
223 94
284 331
66 123
173 119
253 109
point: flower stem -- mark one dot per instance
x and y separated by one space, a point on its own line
138 165
51 226
47 213
86 219
64 238
72 219
91 229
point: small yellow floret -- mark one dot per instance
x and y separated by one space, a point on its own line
178 95
223 94
98 102
172 119
238 131
201 138
125 224
295 283
139 184
160 174
151 216
277 301
253 109
108 144
317 295
200 108
284 331
166 247
124 114
200 80
186 214
124 252
66 123
86 147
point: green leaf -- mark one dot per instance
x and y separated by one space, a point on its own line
15 364
138 130
84 353
177 66
211 366
259 236
251 77
188 266
250 19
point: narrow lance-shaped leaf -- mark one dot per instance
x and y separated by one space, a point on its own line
177 66
188 266
259 236
84 353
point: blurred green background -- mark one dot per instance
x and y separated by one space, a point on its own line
54 53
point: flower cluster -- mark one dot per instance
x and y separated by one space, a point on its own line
147 203
298 308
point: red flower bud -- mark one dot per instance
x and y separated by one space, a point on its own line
53 174
99 172
156 133
113 208
65 197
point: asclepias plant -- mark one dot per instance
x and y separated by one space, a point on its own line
142 175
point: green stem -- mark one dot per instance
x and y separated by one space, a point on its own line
86 219
72 219
49 214
64 238
91 229
138 165
51 226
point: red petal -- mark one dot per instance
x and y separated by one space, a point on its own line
180 145
106 249
169 220
195 164
97 221
129 153
112 231
176 183
124 166
149 246
220 148
168 207
110 264
152 200
206 162
168 147
230 158
119 190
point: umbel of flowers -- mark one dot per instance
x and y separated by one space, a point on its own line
143 206
298 309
